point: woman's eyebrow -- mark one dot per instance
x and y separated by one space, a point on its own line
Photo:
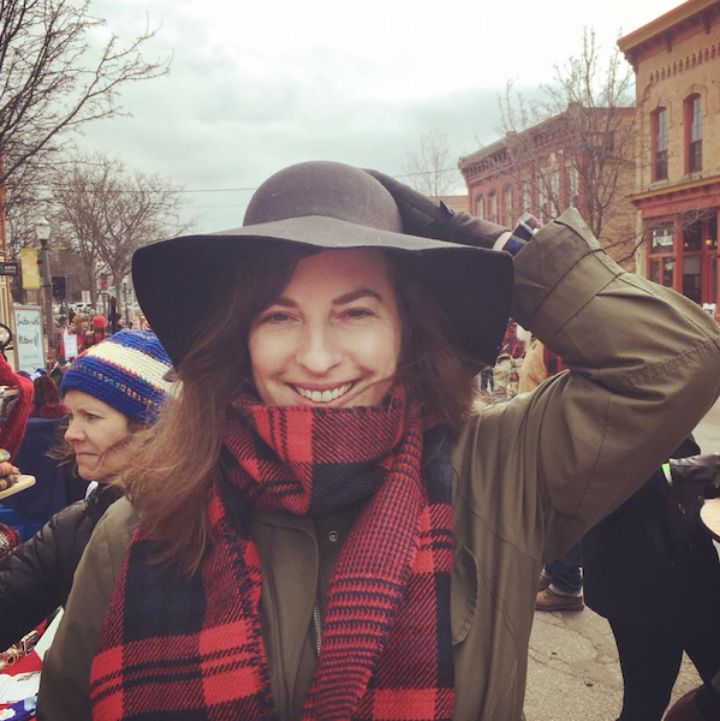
355 294
340 300
284 301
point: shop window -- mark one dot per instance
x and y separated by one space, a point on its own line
692 277
661 271
711 239
692 235
660 144
693 133
661 257
661 238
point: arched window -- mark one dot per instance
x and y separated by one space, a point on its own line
659 144
693 133
507 207
480 207
493 207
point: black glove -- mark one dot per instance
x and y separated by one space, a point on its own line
424 217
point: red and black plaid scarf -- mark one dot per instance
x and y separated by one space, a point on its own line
194 650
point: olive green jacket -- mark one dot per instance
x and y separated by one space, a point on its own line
531 476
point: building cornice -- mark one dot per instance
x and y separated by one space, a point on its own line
675 188
661 27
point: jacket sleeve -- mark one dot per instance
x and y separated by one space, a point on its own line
644 368
64 685
702 471
36 577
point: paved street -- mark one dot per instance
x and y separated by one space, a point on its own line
573 672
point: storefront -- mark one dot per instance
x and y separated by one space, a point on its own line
680 231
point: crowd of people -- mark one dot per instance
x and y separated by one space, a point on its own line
303 512
86 330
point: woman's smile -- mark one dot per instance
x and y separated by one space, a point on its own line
323 395
332 337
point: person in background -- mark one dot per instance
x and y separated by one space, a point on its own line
46 399
320 495
79 329
651 570
112 391
97 331
561 584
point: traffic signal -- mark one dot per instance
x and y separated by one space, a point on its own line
59 287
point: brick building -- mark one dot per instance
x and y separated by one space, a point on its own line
676 59
456 203
553 165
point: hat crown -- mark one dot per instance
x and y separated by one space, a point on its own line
327 189
126 371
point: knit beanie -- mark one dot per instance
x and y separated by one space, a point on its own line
126 371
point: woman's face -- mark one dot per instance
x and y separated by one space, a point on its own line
333 336
95 427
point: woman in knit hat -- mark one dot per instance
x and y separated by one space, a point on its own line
325 530
113 390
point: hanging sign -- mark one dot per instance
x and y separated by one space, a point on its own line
30 354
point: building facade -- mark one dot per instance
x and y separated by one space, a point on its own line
554 165
676 59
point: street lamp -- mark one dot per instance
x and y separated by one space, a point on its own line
125 303
42 231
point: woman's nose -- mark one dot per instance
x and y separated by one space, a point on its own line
317 352
73 432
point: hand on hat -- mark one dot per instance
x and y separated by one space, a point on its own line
427 218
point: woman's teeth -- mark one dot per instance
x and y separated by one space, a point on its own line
324 396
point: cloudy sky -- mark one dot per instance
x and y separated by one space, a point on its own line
255 86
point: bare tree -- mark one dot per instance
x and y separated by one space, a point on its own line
104 213
582 129
24 203
53 80
430 169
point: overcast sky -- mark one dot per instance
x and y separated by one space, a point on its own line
255 86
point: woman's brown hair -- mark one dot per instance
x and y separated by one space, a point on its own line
179 458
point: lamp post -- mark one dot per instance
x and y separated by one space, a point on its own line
125 303
42 231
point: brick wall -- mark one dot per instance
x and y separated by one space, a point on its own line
667 72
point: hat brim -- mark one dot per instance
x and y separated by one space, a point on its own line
175 280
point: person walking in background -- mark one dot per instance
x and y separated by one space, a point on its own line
111 392
320 493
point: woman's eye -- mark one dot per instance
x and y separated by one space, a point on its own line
354 313
275 317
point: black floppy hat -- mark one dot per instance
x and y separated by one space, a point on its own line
323 205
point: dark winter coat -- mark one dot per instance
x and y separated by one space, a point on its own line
644 561
36 577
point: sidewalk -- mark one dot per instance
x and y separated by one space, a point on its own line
573 670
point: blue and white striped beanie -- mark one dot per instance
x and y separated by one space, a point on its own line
126 371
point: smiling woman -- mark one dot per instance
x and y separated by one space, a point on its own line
320 526
333 336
